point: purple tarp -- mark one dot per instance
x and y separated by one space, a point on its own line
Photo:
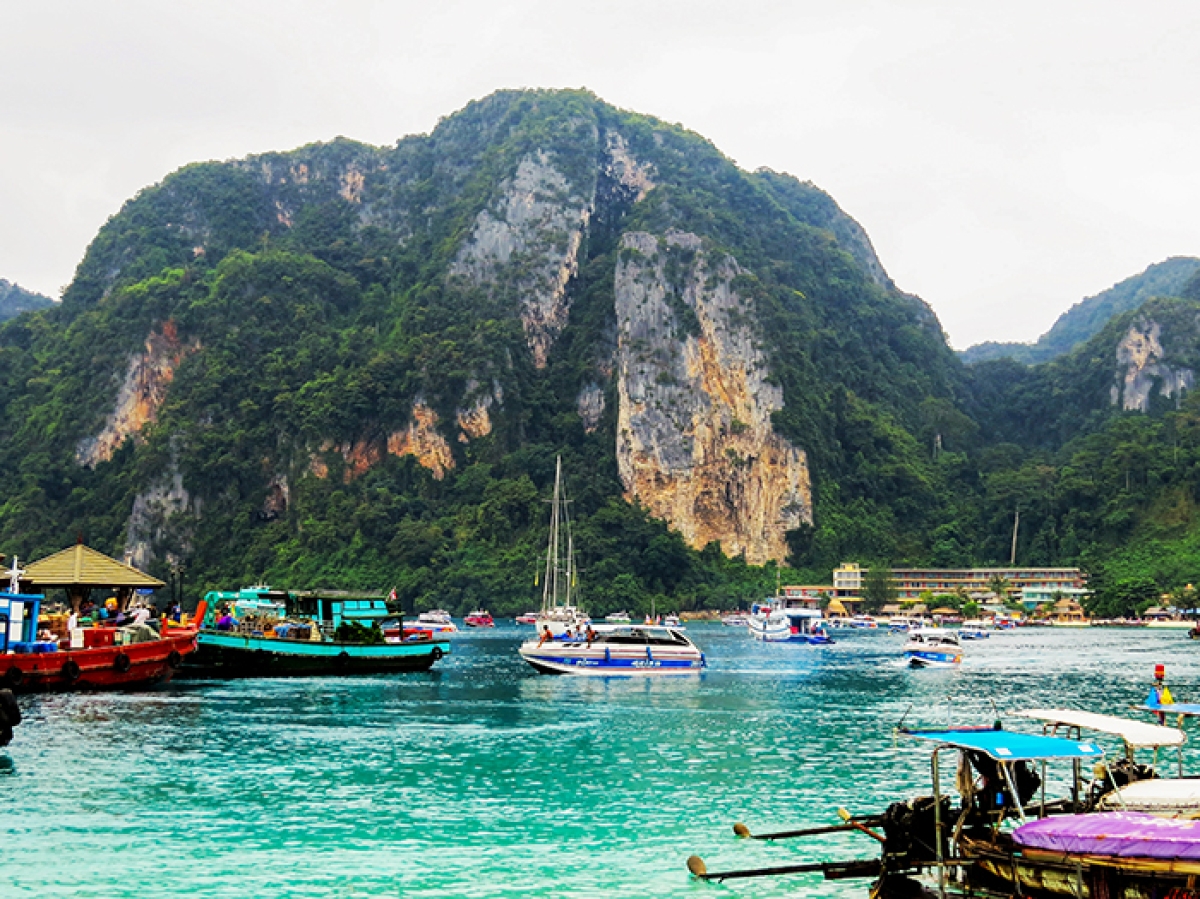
1121 834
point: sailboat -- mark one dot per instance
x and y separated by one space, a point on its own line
558 614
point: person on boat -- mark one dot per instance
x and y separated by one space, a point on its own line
141 615
546 635
226 622
176 613
591 634
72 621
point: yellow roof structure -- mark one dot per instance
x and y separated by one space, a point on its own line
82 566
944 610
835 607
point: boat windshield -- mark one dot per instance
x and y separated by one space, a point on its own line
642 636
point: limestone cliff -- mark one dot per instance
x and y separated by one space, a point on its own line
140 396
530 239
695 444
159 522
1142 369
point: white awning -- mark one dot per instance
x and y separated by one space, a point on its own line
1166 797
1135 733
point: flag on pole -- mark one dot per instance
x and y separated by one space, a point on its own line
392 595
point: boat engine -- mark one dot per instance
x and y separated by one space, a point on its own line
10 716
910 829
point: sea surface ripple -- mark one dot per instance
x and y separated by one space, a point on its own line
485 779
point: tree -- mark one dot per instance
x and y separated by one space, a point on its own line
878 588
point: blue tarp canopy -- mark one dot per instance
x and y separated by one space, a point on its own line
1009 746
1176 708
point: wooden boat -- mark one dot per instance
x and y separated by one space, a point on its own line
107 658
315 635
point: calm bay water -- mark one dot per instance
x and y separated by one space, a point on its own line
483 778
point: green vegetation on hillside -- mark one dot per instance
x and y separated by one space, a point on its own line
315 302
15 299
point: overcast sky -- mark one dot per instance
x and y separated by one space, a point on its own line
1007 159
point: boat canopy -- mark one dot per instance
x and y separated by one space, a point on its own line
1119 834
1175 708
1010 746
1135 733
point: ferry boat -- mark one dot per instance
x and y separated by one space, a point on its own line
780 620
933 647
94 658
292 634
617 649
558 614
479 618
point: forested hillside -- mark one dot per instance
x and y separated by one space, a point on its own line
15 299
350 366
1088 316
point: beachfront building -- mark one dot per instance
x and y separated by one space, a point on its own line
1029 585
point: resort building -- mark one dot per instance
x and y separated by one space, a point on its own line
1030 585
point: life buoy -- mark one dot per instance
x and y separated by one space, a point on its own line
14 676
174 658
12 711
70 670
437 653
121 662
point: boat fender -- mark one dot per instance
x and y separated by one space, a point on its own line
14 676
122 663
437 653
8 705
70 670
174 658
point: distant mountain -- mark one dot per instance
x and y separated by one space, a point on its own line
15 299
1087 317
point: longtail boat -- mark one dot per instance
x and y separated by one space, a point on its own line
281 634
931 847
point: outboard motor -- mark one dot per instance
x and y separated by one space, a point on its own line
10 716
911 832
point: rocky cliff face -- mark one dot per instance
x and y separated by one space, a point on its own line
140 396
695 443
1142 369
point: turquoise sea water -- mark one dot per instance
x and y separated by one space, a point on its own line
483 778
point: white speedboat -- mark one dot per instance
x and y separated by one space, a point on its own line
672 621
933 647
778 622
617 618
737 619
617 649
436 621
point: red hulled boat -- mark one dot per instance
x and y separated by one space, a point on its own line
92 658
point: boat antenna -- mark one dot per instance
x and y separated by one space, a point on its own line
900 724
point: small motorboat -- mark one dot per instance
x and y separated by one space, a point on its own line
933 647
527 618
780 621
437 621
479 618
672 621
618 618
736 620
617 649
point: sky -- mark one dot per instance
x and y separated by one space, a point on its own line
1006 159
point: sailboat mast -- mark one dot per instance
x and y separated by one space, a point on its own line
550 582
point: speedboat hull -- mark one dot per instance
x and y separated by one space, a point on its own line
620 650
927 658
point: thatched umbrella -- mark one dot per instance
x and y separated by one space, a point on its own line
80 569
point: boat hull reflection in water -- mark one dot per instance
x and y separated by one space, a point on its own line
617 649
